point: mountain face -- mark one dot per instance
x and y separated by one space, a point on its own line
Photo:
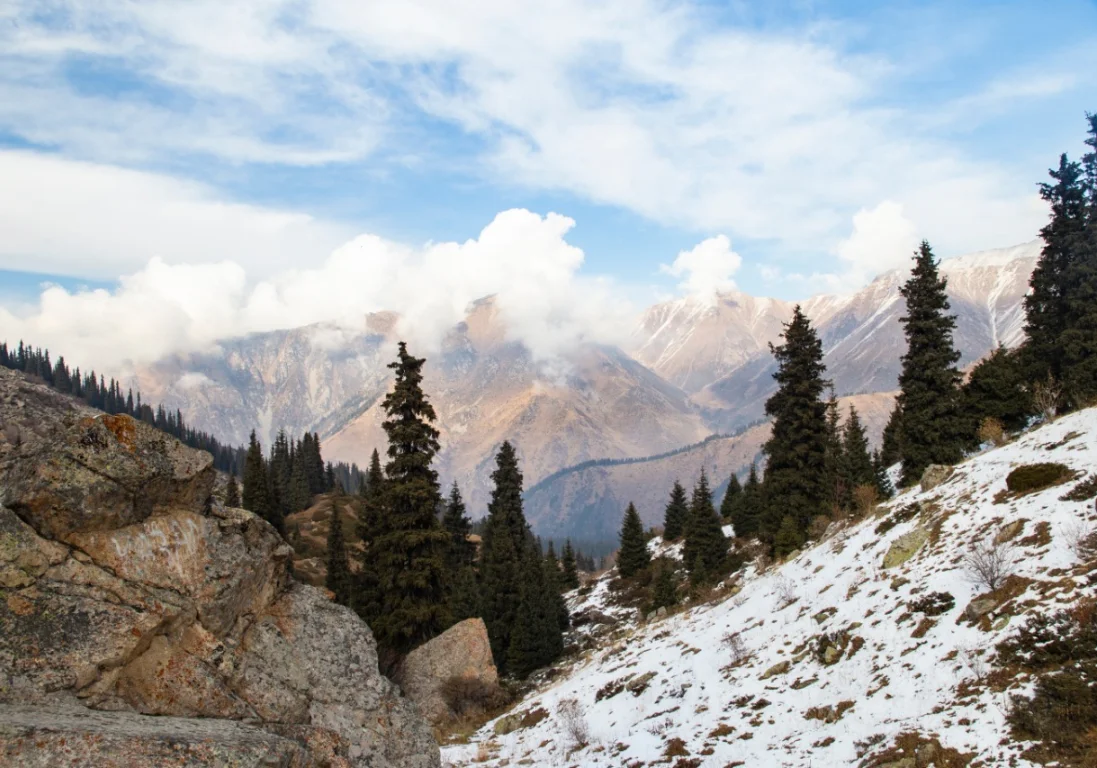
691 368
589 502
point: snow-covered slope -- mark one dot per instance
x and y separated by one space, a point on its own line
892 669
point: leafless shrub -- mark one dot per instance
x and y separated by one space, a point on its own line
786 592
740 654
865 499
989 564
817 529
974 660
1046 396
1081 537
659 727
991 431
570 713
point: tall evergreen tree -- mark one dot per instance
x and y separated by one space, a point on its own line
891 448
411 548
747 510
297 489
836 489
456 523
535 638
706 548
934 427
569 567
371 528
465 600
338 577
665 592
731 495
554 577
280 471
257 485
501 555
789 537
857 468
674 519
997 389
884 489
633 555
795 477
232 493
1046 305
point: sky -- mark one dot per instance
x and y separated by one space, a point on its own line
220 168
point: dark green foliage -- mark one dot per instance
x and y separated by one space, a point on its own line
338 577
371 520
856 465
934 426
232 493
674 519
410 551
1061 716
789 537
891 447
747 510
554 578
535 636
569 567
280 469
465 599
461 551
884 489
996 390
731 495
1035 477
633 556
795 477
257 486
665 591
297 488
837 491
706 548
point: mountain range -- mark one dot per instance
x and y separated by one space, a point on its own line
692 368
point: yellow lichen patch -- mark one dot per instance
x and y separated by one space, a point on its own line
20 606
124 429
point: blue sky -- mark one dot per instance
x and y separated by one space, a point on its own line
820 138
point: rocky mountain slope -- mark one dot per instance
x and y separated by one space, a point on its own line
589 502
127 591
875 647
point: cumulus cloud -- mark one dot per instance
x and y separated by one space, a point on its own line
883 238
707 268
521 258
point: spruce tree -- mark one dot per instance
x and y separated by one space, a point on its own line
232 493
256 496
299 497
891 448
789 537
465 600
705 549
746 513
569 567
535 638
884 489
665 592
502 549
674 519
338 577
997 389
554 578
371 521
857 468
731 496
1046 305
410 552
461 551
796 470
934 427
633 556
837 492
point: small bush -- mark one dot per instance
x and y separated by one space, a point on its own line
570 714
740 654
1083 491
1046 396
991 431
470 696
1035 477
865 499
933 604
989 564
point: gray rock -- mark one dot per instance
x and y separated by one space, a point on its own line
905 547
934 475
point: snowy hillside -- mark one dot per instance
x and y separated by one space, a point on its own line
831 659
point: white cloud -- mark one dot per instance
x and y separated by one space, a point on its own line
64 217
708 267
883 238
521 258
644 104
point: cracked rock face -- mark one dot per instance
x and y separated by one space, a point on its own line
123 587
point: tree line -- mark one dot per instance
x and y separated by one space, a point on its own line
108 396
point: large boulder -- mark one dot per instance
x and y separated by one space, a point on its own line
905 547
461 652
125 587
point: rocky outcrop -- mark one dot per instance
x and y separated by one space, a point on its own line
934 475
125 587
462 651
905 547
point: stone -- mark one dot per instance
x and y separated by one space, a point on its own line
905 547
508 724
638 685
40 737
934 475
777 669
661 612
978 608
462 651
127 588
1009 532
831 655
